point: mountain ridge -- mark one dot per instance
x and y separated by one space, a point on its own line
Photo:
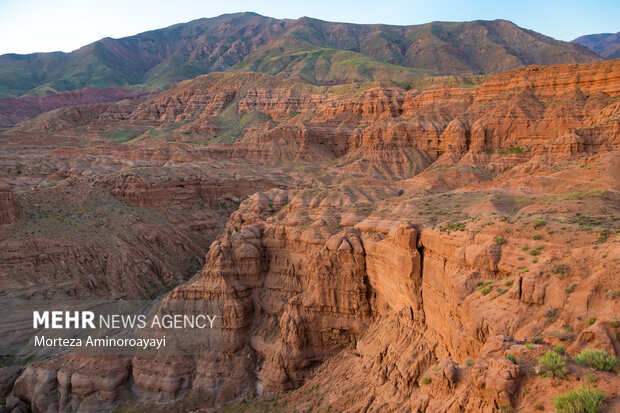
605 44
315 50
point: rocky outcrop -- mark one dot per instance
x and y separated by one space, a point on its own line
16 110
8 212
561 110
185 192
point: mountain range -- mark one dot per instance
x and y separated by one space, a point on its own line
606 45
316 51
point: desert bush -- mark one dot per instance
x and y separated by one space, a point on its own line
500 240
560 270
552 364
583 400
512 358
597 359
426 380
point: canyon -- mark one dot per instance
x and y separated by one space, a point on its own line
375 247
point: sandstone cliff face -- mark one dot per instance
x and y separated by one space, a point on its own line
185 192
396 133
559 110
7 206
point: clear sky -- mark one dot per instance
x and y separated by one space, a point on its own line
28 26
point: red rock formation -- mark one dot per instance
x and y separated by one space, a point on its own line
15 110
7 206
343 290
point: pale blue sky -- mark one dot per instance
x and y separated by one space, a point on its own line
28 26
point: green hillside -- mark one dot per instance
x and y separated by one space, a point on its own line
314 50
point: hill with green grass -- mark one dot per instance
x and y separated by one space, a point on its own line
316 51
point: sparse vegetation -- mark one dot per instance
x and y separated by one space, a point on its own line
591 321
506 408
552 364
512 358
426 380
500 240
597 359
583 400
536 251
452 226
560 270
483 284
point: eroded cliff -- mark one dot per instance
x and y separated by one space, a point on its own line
375 249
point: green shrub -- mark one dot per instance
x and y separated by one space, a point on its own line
529 346
539 223
453 226
560 270
483 284
538 406
552 364
536 237
597 359
500 240
591 321
583 400
485 290
560 349
426 380
512 358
